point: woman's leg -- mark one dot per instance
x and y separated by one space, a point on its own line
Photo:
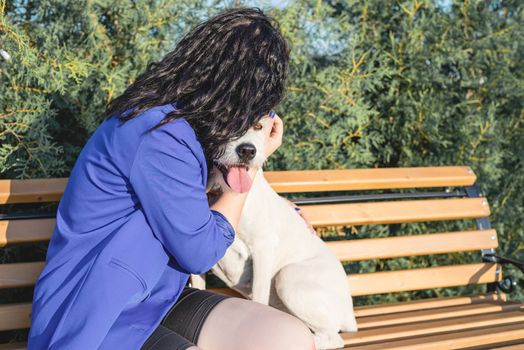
239 324
164 338
216 322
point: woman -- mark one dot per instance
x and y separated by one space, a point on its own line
134 220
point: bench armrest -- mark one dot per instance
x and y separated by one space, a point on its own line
508 283
503 260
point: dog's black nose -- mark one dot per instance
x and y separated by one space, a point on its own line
246 151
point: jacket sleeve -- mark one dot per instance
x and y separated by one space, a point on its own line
167 178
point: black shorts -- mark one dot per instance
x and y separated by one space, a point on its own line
180 327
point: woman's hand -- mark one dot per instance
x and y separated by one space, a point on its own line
274 135
301 213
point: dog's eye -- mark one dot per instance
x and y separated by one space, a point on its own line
258 126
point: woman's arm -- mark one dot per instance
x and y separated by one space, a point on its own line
166 177
230 203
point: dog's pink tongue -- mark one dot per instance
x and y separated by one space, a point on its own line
238 179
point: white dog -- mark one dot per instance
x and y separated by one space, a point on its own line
275 260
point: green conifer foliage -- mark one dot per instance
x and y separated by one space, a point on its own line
417 83
67 60
373 83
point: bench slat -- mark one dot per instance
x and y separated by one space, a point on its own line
425 304
50 190
437 326
26 231
31 190
495 331
406 306
17 275
414 279
424 278
436 314
369 179
38 230
15 316
395 212
517 344
393 247
14 346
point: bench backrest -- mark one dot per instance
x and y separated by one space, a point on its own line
452 195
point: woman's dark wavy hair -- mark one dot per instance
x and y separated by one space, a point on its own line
224 76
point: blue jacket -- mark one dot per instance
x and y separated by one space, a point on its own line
133 223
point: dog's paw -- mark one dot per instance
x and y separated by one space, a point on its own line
350 325
327 341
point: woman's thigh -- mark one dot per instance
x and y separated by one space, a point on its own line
239 324
164 338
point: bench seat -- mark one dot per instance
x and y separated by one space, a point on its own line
441 323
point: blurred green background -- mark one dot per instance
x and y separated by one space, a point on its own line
373 83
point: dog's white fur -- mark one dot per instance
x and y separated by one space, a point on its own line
275 260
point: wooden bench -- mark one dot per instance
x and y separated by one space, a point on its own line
386 201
